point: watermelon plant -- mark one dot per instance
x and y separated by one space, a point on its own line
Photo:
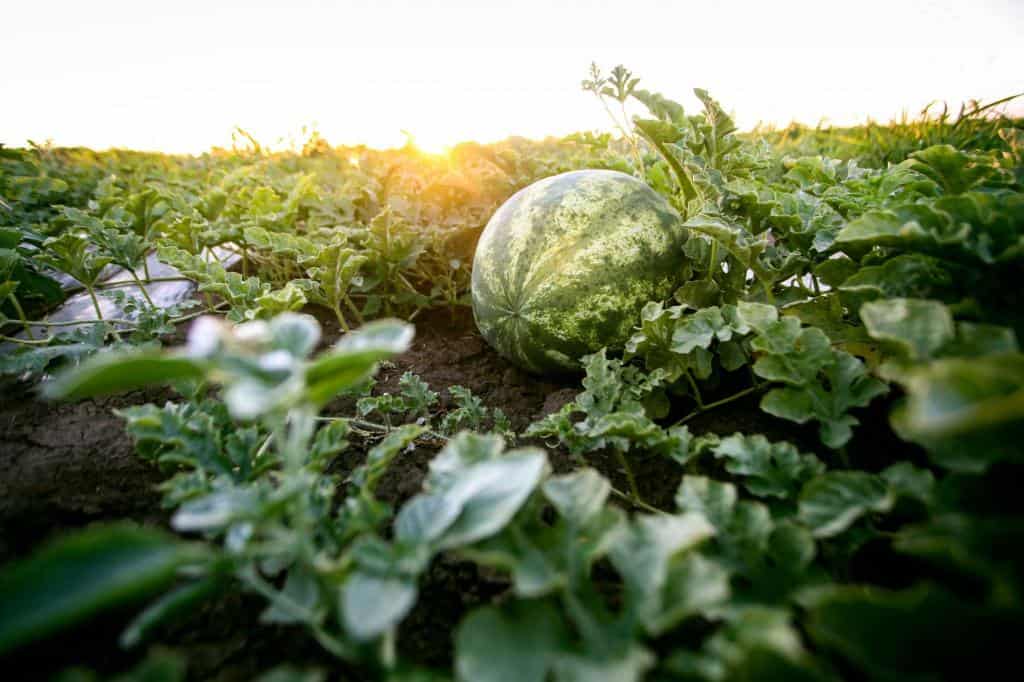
790 449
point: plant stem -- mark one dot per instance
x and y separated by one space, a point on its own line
639 504
622 129
142 288
695 389
27 342
189 316
352 308
21 315
75 323
341 319
148 280
629 474
95 303
718 403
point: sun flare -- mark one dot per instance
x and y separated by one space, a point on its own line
435 143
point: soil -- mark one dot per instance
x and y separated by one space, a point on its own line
64 466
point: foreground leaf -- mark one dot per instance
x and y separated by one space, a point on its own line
517 643
119 372
83 574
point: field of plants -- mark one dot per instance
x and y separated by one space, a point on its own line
306 463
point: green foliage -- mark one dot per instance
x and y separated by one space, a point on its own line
833 277
75 577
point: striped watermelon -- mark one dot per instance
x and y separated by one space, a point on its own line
565 265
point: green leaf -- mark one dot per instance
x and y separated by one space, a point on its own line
743 527
578 496
911 275
353 358
83 574
371 605
769 469
832 502
70 253
791 355
741 244
488 494
968 412
907 480
117 372
954 170
216 510
473 490
518 642
330 440
381 455
760 643
884 632
301 589
174 605
845 384
628 666
835 271
286 299
918 328
644 557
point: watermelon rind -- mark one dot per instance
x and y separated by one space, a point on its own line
564 266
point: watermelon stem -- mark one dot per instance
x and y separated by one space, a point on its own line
629 476
724 401
713 260
639 504
696 390
341 319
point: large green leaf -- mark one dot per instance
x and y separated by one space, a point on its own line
518 642
832 502
81 575
885 632
968 412
768 469
646 556
917 328
115 372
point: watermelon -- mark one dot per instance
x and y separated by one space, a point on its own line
564 266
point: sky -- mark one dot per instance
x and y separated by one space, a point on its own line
180 76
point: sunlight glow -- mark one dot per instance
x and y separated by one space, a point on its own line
181 76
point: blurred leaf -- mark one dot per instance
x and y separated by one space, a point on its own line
519 641
117 372
83 574
918 328
832 502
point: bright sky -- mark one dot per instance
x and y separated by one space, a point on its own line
178 76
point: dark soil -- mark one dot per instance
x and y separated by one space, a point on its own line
63 466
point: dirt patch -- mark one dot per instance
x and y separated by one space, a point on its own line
66 465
